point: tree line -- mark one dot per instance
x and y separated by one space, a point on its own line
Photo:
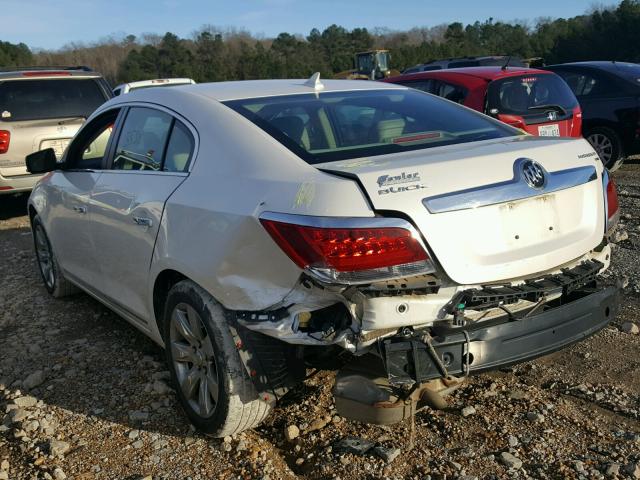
213 54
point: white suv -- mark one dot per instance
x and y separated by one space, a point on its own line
255 228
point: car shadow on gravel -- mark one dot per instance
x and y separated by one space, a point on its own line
76 354
12 206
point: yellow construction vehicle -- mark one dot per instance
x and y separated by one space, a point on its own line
371 65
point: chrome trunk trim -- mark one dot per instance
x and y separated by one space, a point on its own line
512 190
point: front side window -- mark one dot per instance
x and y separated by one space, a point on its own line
142 140
53 98
334 126
89 148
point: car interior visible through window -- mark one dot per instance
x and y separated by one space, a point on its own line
336 126
89 148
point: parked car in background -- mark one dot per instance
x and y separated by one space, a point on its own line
536 101
462 62
42 108
254 228
158 82
609 95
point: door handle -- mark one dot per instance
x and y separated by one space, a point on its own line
80 209
143 222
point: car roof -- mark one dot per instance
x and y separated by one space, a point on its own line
486 73
245 89
40 73
609 65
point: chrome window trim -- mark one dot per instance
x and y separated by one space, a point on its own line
512 190
354 222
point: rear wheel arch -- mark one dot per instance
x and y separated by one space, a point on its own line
164 281
32 213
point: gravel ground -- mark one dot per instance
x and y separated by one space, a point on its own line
83 396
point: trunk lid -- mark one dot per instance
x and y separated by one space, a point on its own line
480 218
29 136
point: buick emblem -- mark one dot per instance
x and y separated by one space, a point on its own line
533 173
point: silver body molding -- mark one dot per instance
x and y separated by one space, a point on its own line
516 189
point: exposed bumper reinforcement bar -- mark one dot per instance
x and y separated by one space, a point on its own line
478 348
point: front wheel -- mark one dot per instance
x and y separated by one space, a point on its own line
211 381
608 146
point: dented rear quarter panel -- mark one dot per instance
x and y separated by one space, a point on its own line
210 230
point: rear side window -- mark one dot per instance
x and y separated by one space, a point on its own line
179 149
424 85
454 93
334 126
142 141
590 84
43 99
531 95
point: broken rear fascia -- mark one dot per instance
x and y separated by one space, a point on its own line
381 310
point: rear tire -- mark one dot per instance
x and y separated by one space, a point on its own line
607 144
211 381
53 278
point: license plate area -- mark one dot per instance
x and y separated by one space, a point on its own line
529 222
552 130
59 145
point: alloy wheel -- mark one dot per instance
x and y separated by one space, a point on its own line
45 257
603 146
193 360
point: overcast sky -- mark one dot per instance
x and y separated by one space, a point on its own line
51 24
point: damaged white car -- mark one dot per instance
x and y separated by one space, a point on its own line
257 228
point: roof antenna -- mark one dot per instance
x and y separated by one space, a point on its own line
314 82
506 64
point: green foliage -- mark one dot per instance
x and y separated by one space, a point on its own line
213 55
14 55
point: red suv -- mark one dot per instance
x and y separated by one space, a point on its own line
537 101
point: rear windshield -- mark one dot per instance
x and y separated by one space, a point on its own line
40 99
334 126
531 95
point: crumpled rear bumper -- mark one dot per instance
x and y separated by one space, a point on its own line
408 360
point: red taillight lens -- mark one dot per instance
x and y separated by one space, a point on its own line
46 74
613 204
5 138
346 249
611 201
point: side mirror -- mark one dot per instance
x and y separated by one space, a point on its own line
42 161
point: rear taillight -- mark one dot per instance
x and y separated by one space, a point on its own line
5 138
612 206
335 251
46 74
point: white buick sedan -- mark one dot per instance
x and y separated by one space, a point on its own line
257 228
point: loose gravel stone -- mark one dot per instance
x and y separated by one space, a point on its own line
386 454
630 327
34 380
468 411
26 402
58 447
291 432
510 460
